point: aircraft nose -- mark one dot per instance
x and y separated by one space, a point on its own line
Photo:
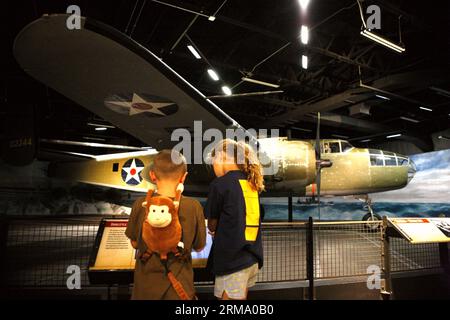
411 169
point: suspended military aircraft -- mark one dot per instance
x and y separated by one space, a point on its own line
116 78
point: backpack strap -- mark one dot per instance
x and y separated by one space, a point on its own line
177 286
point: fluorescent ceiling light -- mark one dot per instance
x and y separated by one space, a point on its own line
304 62
383 41
304 34
100 125
340 136
366 140
226 90
444 137
101 129
213 75
263 83
441 92
426 109
303 4
394 135
382 97
301 129
211 18
409 119
95 139
194 52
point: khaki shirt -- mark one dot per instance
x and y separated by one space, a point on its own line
150 281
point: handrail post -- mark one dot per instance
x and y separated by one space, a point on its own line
4 228
310 257
290 209
386 288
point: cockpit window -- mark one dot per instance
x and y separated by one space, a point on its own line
331 147
376 160
374 151
345 146
387 158
402 161
390 160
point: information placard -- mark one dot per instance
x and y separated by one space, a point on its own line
423 230
115 251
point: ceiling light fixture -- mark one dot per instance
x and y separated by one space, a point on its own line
213 75
211 18
194 52
301 129
409 119
100 125
101 129
263 83
227 90
394 136
340 136
444 137
366 140
303 4
383 41
382 97
426 109
304 34
95 139
304 62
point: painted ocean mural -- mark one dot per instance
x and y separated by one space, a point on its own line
427 195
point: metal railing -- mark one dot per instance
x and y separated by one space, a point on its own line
36 252
39 250
284 253
344 249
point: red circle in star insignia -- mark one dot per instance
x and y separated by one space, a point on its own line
133 172
141 106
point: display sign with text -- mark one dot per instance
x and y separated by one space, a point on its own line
423 230
115 251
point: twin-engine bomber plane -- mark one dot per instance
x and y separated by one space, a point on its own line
111 75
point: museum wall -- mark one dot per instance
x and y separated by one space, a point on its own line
441 144
398 146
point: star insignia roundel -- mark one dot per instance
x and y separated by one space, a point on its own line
131 171
140 104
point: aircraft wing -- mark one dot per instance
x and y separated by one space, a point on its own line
113 76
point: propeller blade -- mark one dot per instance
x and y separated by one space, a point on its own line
318 189
317 145
318 162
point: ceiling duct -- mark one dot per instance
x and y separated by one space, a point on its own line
359 110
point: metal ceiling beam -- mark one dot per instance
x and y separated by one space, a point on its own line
372 128
416 80
342 58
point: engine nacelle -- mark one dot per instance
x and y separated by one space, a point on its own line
292 164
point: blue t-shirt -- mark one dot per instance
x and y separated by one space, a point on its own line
237 242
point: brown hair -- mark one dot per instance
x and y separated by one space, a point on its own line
169 164
245 158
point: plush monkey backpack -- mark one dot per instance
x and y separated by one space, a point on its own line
161 231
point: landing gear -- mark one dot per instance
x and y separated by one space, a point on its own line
370 216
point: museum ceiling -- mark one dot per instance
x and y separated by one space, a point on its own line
260 40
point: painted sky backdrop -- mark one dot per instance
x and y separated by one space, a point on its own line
431 184
427 195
